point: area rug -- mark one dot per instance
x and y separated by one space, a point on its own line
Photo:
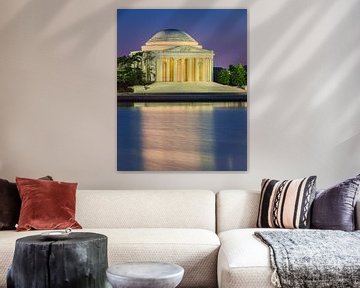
313 258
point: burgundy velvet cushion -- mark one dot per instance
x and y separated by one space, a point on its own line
334 208
46 204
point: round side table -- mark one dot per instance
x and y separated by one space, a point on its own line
145 275
78 261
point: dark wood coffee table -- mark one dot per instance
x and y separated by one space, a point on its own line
78 261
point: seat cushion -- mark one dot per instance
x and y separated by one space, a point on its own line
244 261
196 250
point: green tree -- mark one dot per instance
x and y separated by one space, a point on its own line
238 75
223 77
129 72
147 59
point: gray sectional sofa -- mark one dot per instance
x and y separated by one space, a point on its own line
209 234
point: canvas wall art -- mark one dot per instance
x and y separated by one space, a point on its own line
182 90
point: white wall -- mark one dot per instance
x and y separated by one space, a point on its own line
58 104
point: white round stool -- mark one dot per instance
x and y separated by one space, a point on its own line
145 275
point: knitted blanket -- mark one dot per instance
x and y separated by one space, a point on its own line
313 258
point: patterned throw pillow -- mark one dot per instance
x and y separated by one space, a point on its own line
286 204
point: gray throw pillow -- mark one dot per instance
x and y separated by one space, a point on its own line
334 208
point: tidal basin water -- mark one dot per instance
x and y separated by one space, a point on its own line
182 137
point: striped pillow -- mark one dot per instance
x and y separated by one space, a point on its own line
286 204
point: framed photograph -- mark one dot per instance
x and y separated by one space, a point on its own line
182 90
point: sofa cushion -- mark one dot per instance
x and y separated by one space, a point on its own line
334 208
146 209
244 261
10 204
236 209
194 249
46 204
286 204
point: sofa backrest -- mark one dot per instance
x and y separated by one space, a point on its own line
239 209
236 209
146 209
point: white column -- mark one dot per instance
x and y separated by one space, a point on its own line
181 70
205 69
202 69
175 69
189 69
196 69
158 70
208 79
211 69
167 69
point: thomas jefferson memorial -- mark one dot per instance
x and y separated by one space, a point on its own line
172 55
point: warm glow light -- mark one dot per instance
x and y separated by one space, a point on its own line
181 151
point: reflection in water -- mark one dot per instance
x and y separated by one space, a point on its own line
185 137
129 140
171 138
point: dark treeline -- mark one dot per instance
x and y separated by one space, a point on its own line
130 71
235 75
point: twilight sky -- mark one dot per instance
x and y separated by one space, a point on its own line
222 30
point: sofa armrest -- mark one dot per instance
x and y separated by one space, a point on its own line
357 215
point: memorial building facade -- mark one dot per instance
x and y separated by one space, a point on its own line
172 55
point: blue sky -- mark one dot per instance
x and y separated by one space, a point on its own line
222 30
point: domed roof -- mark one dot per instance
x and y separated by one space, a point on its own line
171 35
169 38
